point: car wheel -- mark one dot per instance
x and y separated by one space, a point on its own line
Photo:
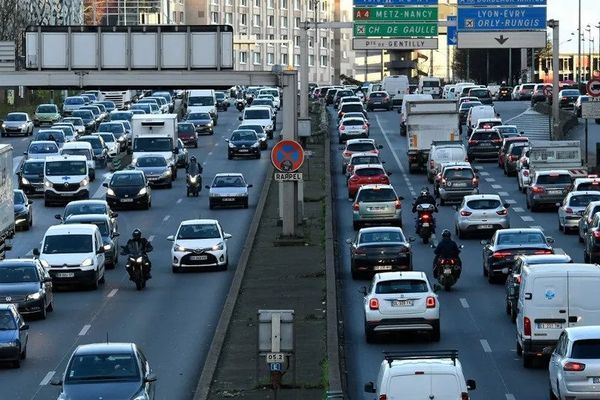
245 203
17 362
519 349
460 234
50 307
94 285
491 277
485 271
170 185
435 333
513 315
551 394
560 227
258 156
175 269
229 157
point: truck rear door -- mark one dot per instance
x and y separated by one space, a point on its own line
548 306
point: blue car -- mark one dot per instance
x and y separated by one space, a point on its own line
13 335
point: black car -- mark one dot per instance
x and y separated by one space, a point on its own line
504 93
379 249
260 132
128 189
330 96
118 129
484 143
464 108
568 97
107 231
107 371
483 94
88 119
513 280
110 106
499 253
339 94
202 121
98 147
31 177
186 132
222 103
23 210
379 100
25 283
243 143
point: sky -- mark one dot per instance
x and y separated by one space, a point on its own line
566 12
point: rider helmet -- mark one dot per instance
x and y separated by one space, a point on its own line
137 234
446 234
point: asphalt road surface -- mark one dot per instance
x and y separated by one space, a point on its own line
473 318
174 318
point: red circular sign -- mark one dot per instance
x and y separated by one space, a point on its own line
287 156
547 91
593 87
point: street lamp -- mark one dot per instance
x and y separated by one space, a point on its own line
588 29
598 27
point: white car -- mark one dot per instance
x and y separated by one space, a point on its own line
400 302
523 176
199 243
479 213
572 208
113 146
228 189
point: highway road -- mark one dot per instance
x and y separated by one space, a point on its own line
473 318
174 318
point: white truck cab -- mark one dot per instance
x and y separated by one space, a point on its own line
66 178
155 135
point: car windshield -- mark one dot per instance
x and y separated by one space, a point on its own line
382 237
479 93
74 100
47 109
198 231
257 114
516 150
33 168
376 195
152 144
354 115
151 162
68 244
74 121
108 137
86 208
109 105
66 168
77 152
7 321
401 286
343 93
84 114
380 94
55 135
586 349
582 200
487 135
352 108
570 93
16 117
468 104
273 92
365 160
228 181
555 179
431 83
483 204
243 136
18 274
360 147
588 186
94 141
94 110
43 148
458 173
199 116
142 106
18 197
521 238
112 128
119 116
201 101
102 367
102 225
369 172
127 180
262 102
185 128
255 128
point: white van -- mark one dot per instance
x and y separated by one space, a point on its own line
74 254
397 86
259 115
553 297
66 178
430 85
81 149
423 375
402 110
273 92
479 112
202 101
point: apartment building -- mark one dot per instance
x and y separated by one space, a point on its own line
133 12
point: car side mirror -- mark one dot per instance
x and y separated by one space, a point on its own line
171 238
370 387
363 290
36 252
29 201
150 378
100 250
227 140
206 187
105 184
25 152
548 350
241 118
485 242
522 133
471 385
506 205
58 217
227 236
389 174
550 239
116 234
56 382
24 327
380 146
349 241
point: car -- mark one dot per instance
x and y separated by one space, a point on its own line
523 175
125 115
483 143
159 101
68 130
513 280
222 102
504 93
351 107
468 99
266 100
23 210
94 206
329 97
156 170
362 159
99 148
113 146
109 371
506 142
273 91
591 240
548 188
376 204
182 156
199 243
228 189
586 219
577 104
147 108
366 174
186 132
379 249
377 100
55 135
128 188
16 123
358 146
138 111
202 121
515 92
568 97
261 115
589 183
168 97
481 213
260 132
72 103
526 91
401 301
341 94
573 207
513 155
15 335
26 284
463 110
243 143
483 94
104 114
109 105
500 251
354 115
95 109
349 99
456 181
118 129
30 177
443 152
107 232
575 364
482 112
41 149
77 123
46 114
352 128
80 148
87 116
539 93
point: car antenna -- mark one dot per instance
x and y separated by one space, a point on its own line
107 342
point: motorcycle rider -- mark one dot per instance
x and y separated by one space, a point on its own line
447 248
138 242
424 198
194 169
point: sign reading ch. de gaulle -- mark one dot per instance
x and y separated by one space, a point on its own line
394 29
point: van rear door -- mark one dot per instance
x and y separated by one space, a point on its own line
424 385
584 303
547 309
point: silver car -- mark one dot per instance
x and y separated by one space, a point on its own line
352 128
227 190
586 218
548 188
456 182
77 123
573 207
481 213
442 152
574 368
376 204
17 123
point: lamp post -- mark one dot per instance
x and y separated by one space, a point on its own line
579 47
588 29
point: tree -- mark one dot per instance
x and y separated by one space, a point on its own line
14 17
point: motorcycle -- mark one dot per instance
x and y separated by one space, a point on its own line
138 266
240 104
425 221
448 271
194 185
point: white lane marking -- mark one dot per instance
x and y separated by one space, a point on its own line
513 118
23 139
538 227
527 218
204 163
101 191
518 209
166 218
47 378
412 192
485 345
464 303
84 330
16 163
179 201
216 144
503 194
490 180
112 293
510 396
484 173
210 153
511 201
496 186
151 238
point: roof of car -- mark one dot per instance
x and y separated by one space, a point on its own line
15 261
394 276
520 230
71 229
229 174
66 157
365 166
582 192
553 172
101 348
77 145
199 221
380 229
586 180
375 186
583 332
546 259
361 154
363 140
485 196
128 172
89 201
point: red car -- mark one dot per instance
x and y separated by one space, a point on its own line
505 145
366 174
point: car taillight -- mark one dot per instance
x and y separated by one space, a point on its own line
473 141
465 213
342 128
544 251
574 367
382 397
525 173
569 210
384 179
513 158
430 302
398 204
518 279
501 254
464 396
347 153
596 234
563 98
374 304
443 182
537 189
354 178
526 326
356 206
502 212
365 126
425 216
497 140
475 181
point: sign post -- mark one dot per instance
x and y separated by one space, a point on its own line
287 157
590 108
276 343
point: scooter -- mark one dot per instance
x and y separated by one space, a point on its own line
448 271
194 185
425 221
240 104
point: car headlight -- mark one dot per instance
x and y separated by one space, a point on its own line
218 246
110 192
107 247
121 139
84 182
269 127
232 146
88 262
142 191
34 296
167 173
133 162
193 179
3 126
47 184
179 248
24 181
255 145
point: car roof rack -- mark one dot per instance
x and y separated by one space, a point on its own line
390 356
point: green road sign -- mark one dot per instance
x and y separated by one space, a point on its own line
400 14
368 29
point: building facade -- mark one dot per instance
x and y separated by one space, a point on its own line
134 12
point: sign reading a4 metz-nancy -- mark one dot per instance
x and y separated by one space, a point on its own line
287 156
395 2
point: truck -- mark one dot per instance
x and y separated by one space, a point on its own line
557 155
155 134
428 121
396 86
122 99
7 213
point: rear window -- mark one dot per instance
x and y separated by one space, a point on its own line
468 104
586 349
352 108
588 186
365 160
382 237
489 124
376 195
521 238
558 179
516 150
360 147
378 95
459 173
583 200
570 93
483 204
369 172
401 286
480 93
354 122
529 86
490 135
431 84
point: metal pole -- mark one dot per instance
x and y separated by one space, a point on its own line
447 62
487 66
289 206
579 46
586 142
468 64
510 74
304 71
555 78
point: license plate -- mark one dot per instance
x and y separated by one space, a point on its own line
549 325
228 199
126 200
376 208
555 192
243 150
376 102
596 379
447 271
460 184
199 258
402 303
65 275
485 226
425 224
383 268
485 144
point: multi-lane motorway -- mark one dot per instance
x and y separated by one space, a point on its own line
473 318
174 318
